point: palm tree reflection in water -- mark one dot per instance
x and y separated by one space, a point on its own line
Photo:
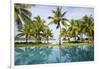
80 53
35 55
42 55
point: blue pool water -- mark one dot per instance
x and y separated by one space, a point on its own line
53 54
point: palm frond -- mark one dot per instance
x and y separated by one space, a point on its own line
51 22
26 12
19 35
63 14
50 17
25 18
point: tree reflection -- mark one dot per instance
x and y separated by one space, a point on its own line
41 55
35 55
80 53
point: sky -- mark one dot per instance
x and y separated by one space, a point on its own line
72 13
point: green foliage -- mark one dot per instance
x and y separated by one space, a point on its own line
39 31
21 13
35 28
78 27
58 18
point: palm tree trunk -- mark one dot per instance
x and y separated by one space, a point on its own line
47 40
26 38
60 37
27 42
37 38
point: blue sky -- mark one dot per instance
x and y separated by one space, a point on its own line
72 13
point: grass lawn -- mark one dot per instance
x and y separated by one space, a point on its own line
45 44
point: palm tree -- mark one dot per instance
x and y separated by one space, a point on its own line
75 28
65 33
47 33
58 19
88 26
25 32
39 25
20 12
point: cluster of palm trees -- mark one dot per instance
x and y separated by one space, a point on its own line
29 28
37 29
77 28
